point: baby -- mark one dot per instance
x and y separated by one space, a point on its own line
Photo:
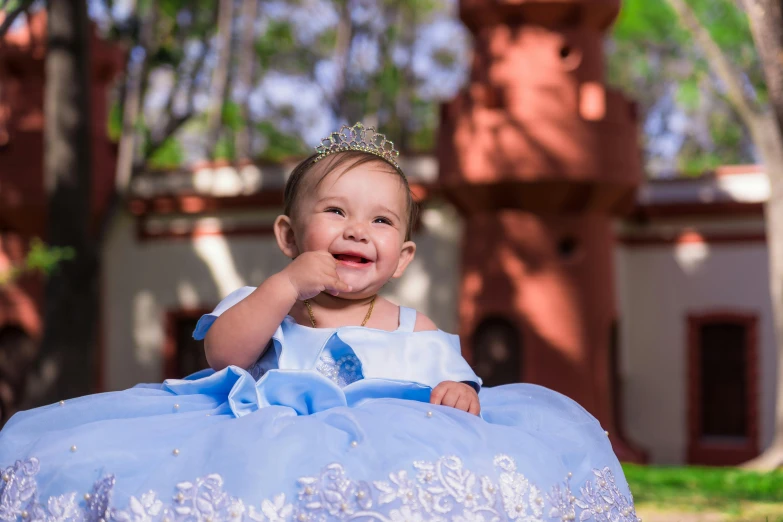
347 227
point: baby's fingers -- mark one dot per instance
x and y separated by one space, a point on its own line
475 407
451 398
437 395
337 287
463 403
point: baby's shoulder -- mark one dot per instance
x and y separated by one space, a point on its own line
398 318
423 323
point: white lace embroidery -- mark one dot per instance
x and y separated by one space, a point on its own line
343 371
438 491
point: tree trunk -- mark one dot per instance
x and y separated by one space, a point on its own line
71 297
247 57
766 22
219 84
767 137
132 101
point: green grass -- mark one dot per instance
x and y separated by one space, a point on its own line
698 488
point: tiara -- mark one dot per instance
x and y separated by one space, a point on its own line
361 139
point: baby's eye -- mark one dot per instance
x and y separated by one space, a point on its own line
334 210
385 221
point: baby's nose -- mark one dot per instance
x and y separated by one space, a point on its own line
356 232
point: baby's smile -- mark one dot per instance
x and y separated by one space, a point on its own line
352 259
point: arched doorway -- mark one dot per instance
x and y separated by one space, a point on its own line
498 351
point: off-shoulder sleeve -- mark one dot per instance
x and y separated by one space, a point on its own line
427 357
206 320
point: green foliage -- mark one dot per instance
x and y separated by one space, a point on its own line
40 258
725 132
12 5
702 488
689 93
653 57
232 116
277 39
652 22
727 24
114 125
225 148
418 7
280 146
168 156
697 163
280 47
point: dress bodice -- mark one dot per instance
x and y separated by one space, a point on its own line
337 362
349 354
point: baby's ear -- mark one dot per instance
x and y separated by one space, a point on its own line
406 256
284 234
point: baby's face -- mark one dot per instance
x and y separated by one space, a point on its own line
360 217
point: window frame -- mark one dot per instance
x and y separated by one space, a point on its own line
721 453
171 368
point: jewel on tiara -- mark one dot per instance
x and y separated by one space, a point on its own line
358 138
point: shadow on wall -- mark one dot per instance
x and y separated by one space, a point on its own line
157 289
17 354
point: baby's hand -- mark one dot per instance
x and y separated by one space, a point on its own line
314 272
456 395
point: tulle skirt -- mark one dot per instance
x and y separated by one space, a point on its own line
295 447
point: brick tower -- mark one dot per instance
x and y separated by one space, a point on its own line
539 155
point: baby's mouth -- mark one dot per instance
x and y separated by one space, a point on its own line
351 259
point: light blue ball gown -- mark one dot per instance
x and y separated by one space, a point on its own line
330 424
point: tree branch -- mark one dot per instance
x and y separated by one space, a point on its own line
11 17
173 123
719 63
179 71
134 102
342 53
247 58
766 25
218 87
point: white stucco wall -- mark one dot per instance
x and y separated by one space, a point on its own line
658 286
144 280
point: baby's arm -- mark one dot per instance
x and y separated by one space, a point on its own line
460 395
241 334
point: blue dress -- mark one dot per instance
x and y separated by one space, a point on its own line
329 424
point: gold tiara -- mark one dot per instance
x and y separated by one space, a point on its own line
360 139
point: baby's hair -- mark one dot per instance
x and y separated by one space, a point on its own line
353 158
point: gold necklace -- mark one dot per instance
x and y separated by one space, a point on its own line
366 317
